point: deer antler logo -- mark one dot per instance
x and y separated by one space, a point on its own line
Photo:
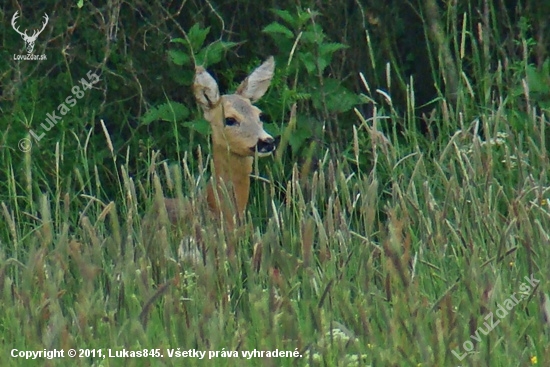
29 40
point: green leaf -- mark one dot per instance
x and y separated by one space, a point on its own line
330 48
182 76
278 28
308 60
313 36
292 95
324 61
179 57
337 97
537 81
287 17
213 53
298 137
197 36
201 126
171 111
325 53
305 16
302 133
183 41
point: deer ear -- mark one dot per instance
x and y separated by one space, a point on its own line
205 89
255 85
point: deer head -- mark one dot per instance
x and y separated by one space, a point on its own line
237 130
235 121
29 40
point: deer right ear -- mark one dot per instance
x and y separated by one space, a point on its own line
205 89
255 85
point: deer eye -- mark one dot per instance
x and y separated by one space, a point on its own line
230 121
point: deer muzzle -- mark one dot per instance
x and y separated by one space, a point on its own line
265 146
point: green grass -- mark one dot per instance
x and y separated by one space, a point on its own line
394 265
392 254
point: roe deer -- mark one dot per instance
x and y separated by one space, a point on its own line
237 136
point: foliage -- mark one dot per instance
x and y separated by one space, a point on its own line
400 216
307 53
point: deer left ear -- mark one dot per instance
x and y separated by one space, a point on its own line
205 89
256 84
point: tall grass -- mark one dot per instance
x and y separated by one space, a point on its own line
392 255
395 265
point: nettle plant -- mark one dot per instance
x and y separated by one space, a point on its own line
192 52
306 57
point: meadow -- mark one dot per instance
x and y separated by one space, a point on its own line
391 246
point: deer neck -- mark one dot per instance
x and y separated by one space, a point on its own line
234 171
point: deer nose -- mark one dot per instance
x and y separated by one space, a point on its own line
266 145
